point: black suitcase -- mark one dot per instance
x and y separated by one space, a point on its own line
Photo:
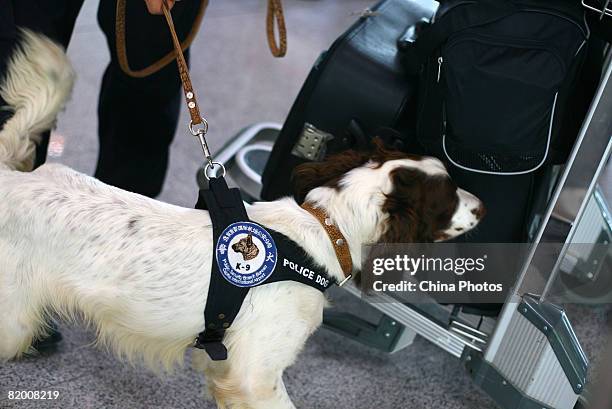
359 78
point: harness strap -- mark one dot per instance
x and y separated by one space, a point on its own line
224 300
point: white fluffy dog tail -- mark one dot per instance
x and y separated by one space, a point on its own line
37 84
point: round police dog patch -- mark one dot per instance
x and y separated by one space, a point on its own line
246 254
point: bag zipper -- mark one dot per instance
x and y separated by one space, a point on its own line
529 8
428 84
560 15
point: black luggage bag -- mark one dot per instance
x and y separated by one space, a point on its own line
359 78
504 88
496 89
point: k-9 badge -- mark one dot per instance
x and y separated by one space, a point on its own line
246 254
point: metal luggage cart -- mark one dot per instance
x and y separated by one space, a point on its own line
528 356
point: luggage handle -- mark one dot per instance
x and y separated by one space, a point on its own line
604 11
412 33
597 10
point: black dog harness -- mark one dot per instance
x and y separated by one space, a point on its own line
246 255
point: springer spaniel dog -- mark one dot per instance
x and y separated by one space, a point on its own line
136 269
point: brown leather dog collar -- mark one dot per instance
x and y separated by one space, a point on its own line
339 242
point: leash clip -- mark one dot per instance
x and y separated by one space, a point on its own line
202 130
200 133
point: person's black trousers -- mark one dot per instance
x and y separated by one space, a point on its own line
137 118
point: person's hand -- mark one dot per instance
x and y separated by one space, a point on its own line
155 6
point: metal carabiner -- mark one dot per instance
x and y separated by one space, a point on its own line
200 133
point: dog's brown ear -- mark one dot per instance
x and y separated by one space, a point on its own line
328 172
382 151
311 175
402 227
403 224
249 240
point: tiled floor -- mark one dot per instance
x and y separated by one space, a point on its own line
240 83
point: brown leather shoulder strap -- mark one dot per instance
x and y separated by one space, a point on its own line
275 14
177 54
120 39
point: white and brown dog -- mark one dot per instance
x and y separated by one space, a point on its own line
136 269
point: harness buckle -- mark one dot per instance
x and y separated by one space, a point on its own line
346 280
211 342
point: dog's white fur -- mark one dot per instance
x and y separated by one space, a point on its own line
138 269
37 85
